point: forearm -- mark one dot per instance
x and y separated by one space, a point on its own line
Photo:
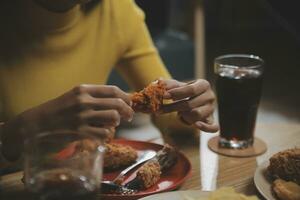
169 124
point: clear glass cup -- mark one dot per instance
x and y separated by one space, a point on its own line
238 86
63 165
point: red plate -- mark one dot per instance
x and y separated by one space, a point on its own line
169 180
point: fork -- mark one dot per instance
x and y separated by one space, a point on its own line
113 186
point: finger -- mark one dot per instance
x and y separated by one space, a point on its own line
197 114
111 134
211 128
189 90
102 133
104 91
170 84
118 104
100 118
210 119
189 104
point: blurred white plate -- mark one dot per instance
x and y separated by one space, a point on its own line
263 182
179 195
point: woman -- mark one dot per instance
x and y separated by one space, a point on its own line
55 57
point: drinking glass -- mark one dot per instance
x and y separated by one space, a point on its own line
238 87
63 165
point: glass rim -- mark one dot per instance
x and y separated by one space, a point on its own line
60 133
43 134
248 56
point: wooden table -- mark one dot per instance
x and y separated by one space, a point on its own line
210 171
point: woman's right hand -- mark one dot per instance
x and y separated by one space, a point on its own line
94 109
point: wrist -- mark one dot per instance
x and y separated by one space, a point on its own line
171 122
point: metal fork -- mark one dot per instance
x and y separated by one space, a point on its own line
113 186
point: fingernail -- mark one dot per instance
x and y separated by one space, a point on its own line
167 95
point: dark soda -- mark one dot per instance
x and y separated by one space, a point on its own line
238 93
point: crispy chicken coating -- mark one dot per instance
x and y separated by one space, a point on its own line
115 155
150 99
286 190
286 165
118 155
149 173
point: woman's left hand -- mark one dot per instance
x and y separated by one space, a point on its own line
194 102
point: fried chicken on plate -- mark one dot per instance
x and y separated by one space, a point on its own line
284 168
286 165
286 190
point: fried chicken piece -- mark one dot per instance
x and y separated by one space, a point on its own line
149 173
118 155
286 165
286 190
115 155
150 99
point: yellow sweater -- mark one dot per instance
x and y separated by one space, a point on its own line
44 54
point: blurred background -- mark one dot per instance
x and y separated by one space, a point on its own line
189 34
